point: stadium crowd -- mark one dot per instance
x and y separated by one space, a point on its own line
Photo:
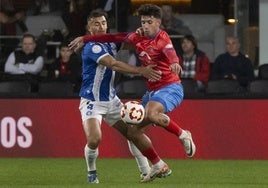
200 76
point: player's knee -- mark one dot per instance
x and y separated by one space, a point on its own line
132 134
94 141
151 116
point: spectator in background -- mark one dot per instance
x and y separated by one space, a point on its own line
117 16
171 24
233 64
66 68
74 14
195 64
9 19
25 61
46 7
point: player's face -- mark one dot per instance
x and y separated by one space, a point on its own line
150 25
28 45
97 25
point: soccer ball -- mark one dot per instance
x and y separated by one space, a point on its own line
132 112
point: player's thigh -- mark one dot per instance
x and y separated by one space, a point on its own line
169 97
113 114
91 109
91 113
121 127
92 128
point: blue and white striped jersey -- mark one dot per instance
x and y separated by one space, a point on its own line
97 79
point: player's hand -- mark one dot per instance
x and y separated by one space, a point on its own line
150 73
140 31
76 44
176 68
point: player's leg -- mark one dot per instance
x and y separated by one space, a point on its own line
144 145
137 136
115 121
164 101
93 135
142 161
92 130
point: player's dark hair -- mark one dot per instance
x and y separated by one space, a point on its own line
150 10
97 13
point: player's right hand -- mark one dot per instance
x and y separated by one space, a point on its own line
76 44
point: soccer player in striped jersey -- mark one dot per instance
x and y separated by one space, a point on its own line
99 100
154 47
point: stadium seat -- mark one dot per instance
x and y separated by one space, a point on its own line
222 87
263 71
15 89
189 85
259 87
133 88
14 86
55 90
190 89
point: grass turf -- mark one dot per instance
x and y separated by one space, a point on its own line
123 173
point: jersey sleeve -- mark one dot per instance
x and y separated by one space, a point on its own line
165 45
169 51
171 54
94 51
118 37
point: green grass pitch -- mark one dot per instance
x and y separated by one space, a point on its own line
123 173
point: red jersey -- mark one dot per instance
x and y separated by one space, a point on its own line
158 50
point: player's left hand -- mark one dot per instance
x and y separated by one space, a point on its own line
150 73
76 44
176 68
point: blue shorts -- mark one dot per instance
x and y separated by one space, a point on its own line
169 96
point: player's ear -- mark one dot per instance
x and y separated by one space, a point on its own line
159 21
87 28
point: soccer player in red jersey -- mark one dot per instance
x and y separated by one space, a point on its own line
155 47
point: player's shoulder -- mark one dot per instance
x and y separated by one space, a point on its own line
163 39
133 37
94 47
163 34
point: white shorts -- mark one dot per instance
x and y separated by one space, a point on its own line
108 110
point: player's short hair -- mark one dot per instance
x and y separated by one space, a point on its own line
97 13
150 10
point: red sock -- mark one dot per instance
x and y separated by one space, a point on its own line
151 154
174 128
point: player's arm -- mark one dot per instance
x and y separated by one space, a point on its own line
78 42
119 66
116 37
171 55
